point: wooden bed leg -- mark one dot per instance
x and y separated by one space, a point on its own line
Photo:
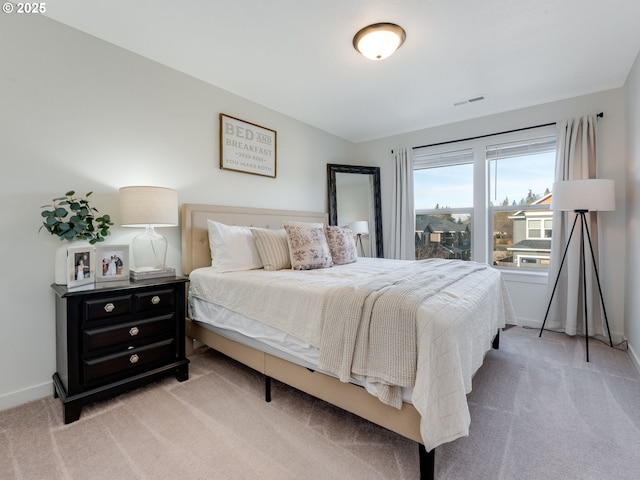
267 388
496 341
188 346
427 463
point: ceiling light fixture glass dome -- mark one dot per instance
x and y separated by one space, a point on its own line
380 40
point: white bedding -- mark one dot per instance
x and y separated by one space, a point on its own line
454 328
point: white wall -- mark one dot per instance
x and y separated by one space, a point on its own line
529 294
632 283
78 113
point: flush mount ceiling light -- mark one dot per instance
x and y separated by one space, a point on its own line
380 40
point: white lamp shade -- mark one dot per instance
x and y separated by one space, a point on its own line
360 227
379 41
591 195
143 206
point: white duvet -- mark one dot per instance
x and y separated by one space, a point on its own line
454 328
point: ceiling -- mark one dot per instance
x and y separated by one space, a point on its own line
296 56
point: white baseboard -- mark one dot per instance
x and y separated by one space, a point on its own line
634 357
36 392
615 337
536 324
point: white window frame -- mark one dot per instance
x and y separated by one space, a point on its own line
481 211
543 221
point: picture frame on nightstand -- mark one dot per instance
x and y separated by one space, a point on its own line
80 265
112 263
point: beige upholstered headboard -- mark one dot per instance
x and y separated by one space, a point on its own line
195 234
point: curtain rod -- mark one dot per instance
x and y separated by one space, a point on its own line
600 115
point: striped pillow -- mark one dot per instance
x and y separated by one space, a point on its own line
272 247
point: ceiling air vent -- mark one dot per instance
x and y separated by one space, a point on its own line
469 100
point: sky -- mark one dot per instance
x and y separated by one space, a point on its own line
453 186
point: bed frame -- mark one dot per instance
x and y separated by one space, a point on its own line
349 397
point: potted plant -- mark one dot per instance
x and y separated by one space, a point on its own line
82 224
71 218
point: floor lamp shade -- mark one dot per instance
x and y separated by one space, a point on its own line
590 195
360 227
148 207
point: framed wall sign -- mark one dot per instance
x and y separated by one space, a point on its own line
247 147
80 265
112 263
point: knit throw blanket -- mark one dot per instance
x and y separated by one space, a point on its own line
369 329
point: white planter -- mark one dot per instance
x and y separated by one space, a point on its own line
60 273
60 269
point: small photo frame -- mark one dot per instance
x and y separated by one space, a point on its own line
80 265
112 263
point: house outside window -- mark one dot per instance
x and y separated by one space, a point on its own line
531 237
487 199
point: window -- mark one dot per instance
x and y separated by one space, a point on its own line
521 175
443 195
538 228
487 199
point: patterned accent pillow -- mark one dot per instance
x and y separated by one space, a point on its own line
273 248
308 248
291 223
341 244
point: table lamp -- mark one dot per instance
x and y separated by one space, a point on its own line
149 207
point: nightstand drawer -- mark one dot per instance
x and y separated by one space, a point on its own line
155 300
107 307
124 334
128 361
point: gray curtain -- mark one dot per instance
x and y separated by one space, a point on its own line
403 218
576 160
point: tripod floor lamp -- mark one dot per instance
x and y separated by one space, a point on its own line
359 229
582 196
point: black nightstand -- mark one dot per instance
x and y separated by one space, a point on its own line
115 336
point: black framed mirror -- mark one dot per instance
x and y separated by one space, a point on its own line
354 196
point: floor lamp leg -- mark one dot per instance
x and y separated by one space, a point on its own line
583 227
359 241
595 269
583 223
555 285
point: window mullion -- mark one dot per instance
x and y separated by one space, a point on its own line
479 215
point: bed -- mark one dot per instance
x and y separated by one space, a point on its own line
455 325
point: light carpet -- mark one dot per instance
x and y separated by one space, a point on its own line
538 411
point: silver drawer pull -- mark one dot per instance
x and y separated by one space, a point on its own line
155 299
109 307
134 358
133 331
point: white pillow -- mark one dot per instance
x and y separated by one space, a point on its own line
233 248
